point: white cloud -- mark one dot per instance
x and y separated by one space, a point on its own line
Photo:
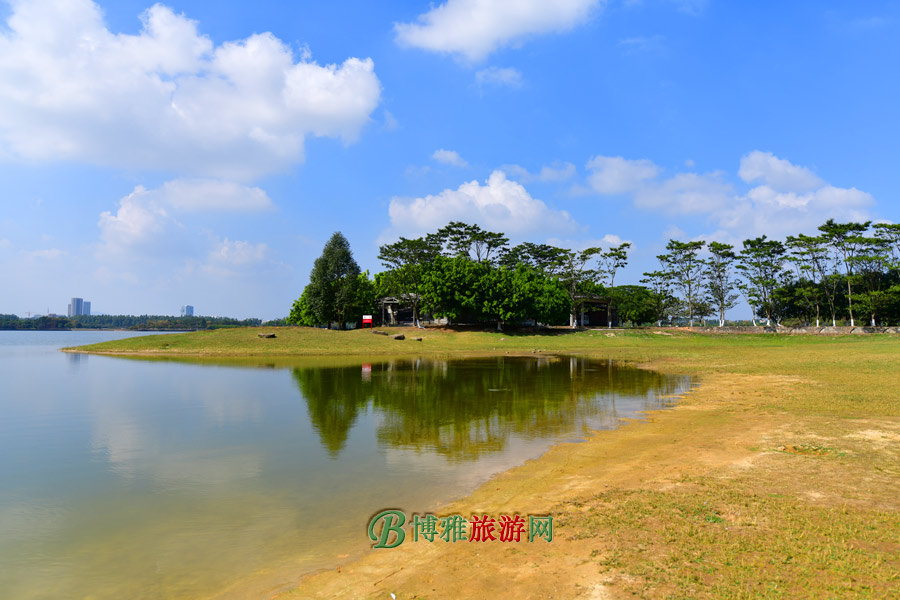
617 175
167 98
607 241
789 198
501 77
777 213
449 157
5 243
475 28
498 205
686 193
558 171
776 172
145 218
194 195
238 253
139 221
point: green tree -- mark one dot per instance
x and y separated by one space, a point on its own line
543 257
809 255
610 262
408 261
761 261
685 268
663 302
846 241
719 277
872 263
573 272
301 313
450 287
635 304
333 283
462 239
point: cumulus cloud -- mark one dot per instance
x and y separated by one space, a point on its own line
498 205
556 172
146 218
475 28
449 157
686 193
777 173
617 175
139 221
206 195
789 199
167 98
500 77
786 199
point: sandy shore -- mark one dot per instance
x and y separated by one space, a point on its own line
716 436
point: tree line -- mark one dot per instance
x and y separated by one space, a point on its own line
848 272
138 323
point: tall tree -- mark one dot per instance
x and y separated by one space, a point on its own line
872 263
301 313
408 261
846 239
572 271
809 255
333 282
761 264
890 233
684 265
610 262
545 258
450 287
662 301
719 277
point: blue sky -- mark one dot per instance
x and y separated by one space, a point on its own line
203 152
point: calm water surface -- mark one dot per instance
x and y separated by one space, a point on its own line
138 479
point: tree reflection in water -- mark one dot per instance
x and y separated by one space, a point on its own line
465 408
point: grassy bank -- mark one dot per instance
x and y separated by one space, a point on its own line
778 477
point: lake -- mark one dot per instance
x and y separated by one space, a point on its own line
125 478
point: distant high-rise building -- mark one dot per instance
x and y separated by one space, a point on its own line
187 310
87 308
76 307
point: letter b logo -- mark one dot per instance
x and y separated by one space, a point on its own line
393 521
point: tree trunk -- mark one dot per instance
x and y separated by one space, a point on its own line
850 302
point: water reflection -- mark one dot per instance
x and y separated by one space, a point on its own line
463 409
147 479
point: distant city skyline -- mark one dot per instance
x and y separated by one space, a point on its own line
208 150
77 307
